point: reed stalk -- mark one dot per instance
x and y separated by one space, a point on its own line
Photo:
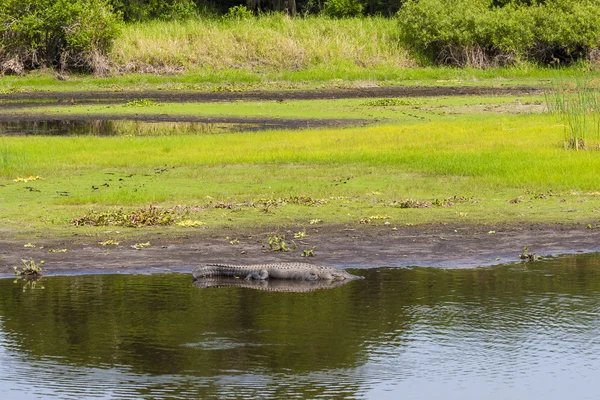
577 104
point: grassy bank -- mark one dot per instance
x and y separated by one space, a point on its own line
461 167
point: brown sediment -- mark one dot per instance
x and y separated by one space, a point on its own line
444 246
50 98
260 123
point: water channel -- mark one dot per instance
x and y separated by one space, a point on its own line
521 331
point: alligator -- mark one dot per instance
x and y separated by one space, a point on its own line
273 285
292 271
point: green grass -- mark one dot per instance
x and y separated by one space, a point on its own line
505 169
406 111
317 77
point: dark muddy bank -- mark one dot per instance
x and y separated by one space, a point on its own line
22 123
434 246
49 98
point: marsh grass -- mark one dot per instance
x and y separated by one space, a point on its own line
270 42
577 103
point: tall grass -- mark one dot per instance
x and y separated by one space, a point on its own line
577 103
270 42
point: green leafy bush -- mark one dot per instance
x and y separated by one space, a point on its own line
481 33
238 12
343 8
56 33
143 10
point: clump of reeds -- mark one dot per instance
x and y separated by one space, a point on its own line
577 103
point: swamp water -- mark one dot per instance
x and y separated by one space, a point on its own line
61 127
523 331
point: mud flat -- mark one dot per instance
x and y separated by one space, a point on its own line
442 246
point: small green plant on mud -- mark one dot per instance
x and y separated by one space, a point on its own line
300 235
526 256
315 221
308 253
277 243
30 268
139 246
109 242
232 241
57 250
577 103
29 245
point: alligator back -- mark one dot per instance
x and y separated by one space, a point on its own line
290 271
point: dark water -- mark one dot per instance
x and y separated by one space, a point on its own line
121 128
509 332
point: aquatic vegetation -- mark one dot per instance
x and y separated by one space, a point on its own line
308 252
300 235
526 256
109 242
139 246
278 243
29 269
577 104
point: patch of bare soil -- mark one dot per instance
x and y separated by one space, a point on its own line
442 246
283 95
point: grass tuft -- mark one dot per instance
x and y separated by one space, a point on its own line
577 103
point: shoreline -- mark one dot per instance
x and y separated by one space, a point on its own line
439 246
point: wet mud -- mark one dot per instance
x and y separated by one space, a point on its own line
49 98
443 246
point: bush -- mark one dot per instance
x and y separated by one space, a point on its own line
56 33
481 33
143 10
239 13
565 30
343 8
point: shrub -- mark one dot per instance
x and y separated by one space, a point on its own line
343 8
480 33
565 30
238 12
142 10
56 33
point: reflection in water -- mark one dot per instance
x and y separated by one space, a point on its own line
523 331
121 128
272 285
